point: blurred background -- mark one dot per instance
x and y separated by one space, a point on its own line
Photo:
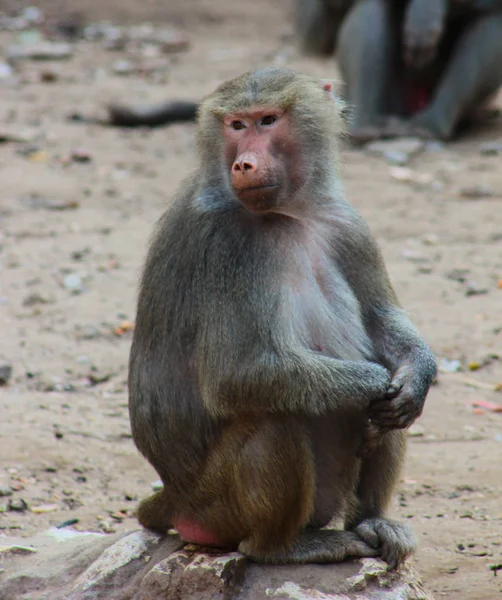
78 201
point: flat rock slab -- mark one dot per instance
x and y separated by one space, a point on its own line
40 51
140 565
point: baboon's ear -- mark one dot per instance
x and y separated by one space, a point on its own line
327 86
343 107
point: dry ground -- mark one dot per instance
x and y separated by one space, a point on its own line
71 446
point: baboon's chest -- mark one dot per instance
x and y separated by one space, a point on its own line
323 311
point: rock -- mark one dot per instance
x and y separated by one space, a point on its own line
106 526
15 549
14 135
157 485
414 255
6 71
63 205
170 41
199 576
396 157
397 152
140 565
5 372
449 366
491 148
478 191
81 155
73 283
5 490
44 508
35 298
48 383
32 15
459 275
402 174
123 67
473 289
87 332
434 146
40 51
49 76
124 551
415 430
17 505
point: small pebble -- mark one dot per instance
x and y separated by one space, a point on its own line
48 383
44 508
122 67
16 549
416 430
34 298
73 283
5 372
449 366
478 191
473 289
81 155
48 76
17 504
40 51
6 71
491 148
88 332
434 146
396 157
67 523
459 275
5 491
396 150
32 14
107 526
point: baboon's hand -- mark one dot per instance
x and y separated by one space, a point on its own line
374 381
402 403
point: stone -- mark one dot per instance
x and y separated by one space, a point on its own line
446 365
5 490
141 565
474 289
17 505
14 135
123 552
15 549
35 298
478 191
491 148
397 151
5 372
46 382
200 576
73 283
6 71
40 51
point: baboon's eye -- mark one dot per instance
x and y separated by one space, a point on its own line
237 125
268 120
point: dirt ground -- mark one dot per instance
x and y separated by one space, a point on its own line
64 430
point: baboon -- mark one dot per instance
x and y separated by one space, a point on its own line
410 67
272 372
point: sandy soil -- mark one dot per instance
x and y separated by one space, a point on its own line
71 446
